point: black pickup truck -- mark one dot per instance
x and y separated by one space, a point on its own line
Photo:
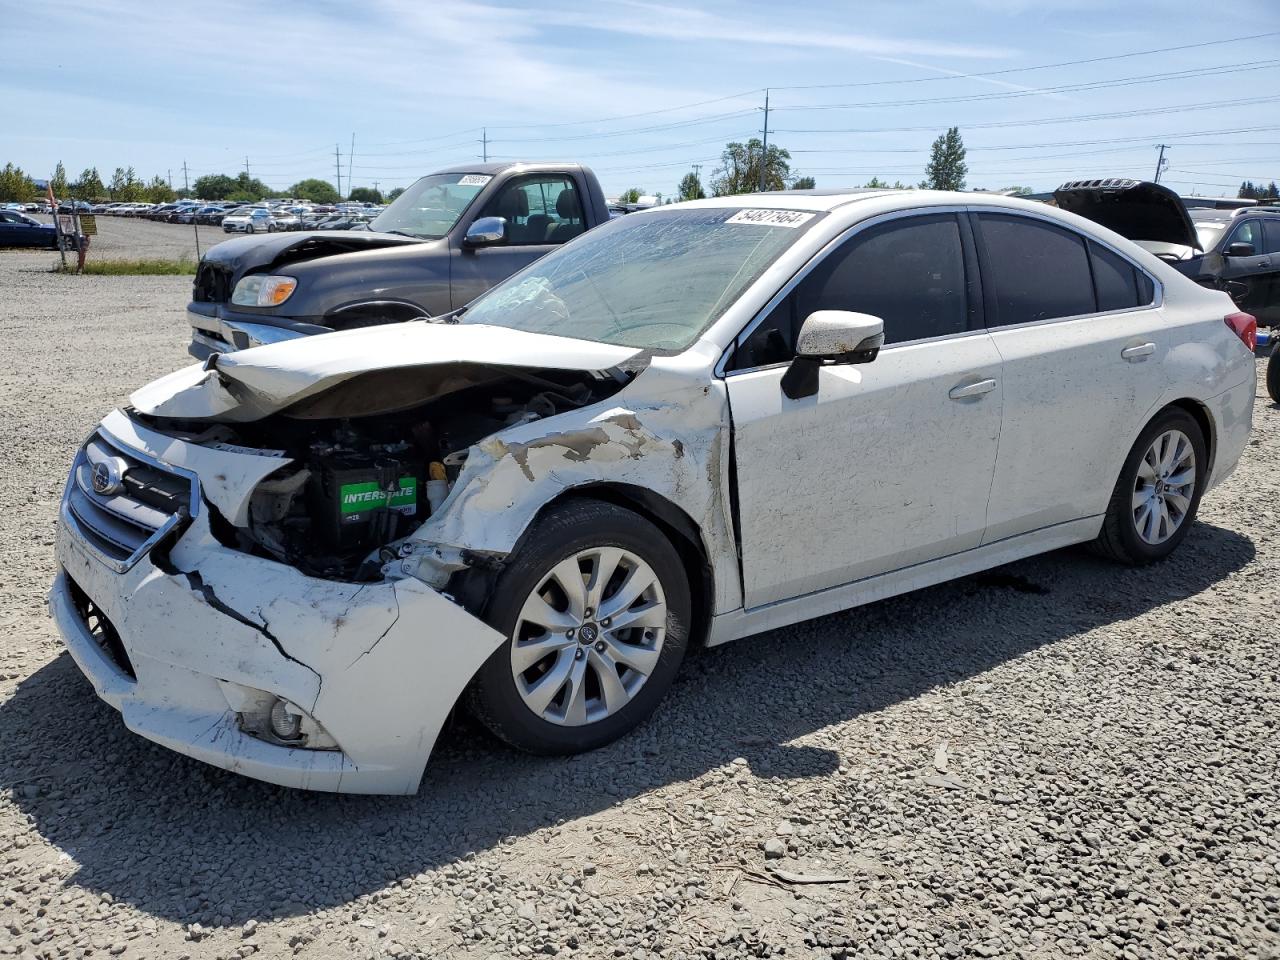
439 245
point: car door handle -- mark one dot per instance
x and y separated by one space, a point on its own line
1140 352
966 390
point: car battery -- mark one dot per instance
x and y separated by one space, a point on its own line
359 502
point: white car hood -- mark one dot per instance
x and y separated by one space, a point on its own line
251 384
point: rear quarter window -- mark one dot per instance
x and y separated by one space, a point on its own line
1118 284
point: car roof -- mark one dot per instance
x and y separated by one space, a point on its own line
830 199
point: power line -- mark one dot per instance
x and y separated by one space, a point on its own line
1216 70
1043 66
1042 121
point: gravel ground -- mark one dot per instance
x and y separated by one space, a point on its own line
1062 758
123 237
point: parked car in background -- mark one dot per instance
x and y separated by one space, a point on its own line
256 220
613 434
1234 250
344 221
284 220
211 215
22 230
442 243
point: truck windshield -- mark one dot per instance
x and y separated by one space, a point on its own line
650 280
431 207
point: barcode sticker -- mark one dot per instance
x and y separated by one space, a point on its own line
474 180
772 218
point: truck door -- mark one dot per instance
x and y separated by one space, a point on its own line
542 211
1255 273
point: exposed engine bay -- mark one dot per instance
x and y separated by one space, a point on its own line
354 485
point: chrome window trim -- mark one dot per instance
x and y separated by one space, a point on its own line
817 258
182 516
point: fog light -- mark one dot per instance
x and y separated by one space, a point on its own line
286 720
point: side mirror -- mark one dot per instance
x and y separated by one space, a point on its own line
831 336
486 232
1240 250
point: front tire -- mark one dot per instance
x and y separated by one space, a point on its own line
596 609
1273 375
1156 498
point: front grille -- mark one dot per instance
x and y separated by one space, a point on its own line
142 501
100 628
212 283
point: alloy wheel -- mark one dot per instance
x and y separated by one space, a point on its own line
589 636
1164 487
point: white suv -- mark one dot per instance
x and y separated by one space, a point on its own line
689 425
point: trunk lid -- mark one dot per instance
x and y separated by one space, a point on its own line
1135 209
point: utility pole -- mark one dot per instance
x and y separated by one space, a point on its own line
186 183
246 166
375 186
484 144
351 157
1160 162
337 162
764 151
170 178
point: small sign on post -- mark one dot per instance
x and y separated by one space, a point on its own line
89 225
66 224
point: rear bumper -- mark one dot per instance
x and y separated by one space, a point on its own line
205 633
215 329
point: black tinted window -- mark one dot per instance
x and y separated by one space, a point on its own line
1035 271
1271 235
910 273
1116 280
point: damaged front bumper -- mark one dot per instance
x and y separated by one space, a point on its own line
192 640
217 329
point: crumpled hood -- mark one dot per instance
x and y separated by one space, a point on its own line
1135 209
252 384
261 250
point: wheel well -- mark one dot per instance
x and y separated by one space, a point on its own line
372 313
679 529
1201 416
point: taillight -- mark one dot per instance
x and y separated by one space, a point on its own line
1244 326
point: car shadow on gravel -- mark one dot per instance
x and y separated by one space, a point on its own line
191 843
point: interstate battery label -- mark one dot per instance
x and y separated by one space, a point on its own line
356 499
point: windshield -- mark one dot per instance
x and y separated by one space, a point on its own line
431 207
1208 234
653 281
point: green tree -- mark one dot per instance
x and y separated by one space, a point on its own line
803 183
630 196
946 169
691 188
15 185
739 170
159 191
365 195
214 186
394 194
125 185
89 186
317 191
58 182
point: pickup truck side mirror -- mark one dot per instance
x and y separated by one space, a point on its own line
831 336
486 232
1240 249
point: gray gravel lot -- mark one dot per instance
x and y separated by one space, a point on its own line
1059 758
124 237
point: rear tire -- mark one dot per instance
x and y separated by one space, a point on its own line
1158 493
1273 375
569 677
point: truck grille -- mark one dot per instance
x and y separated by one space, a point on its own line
122 502
212 283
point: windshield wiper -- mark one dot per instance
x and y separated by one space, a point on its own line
406 233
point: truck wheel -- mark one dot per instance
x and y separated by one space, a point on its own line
596 610
1156 497
1273 375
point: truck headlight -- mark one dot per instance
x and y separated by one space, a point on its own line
259 290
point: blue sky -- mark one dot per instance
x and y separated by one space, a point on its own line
642 90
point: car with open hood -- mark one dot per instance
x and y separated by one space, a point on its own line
692 424
1235 250
444 241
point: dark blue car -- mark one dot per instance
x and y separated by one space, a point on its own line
19 230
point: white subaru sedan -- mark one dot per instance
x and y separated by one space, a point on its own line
689 425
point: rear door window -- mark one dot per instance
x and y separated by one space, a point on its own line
1271 235
1034 270
1118 284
